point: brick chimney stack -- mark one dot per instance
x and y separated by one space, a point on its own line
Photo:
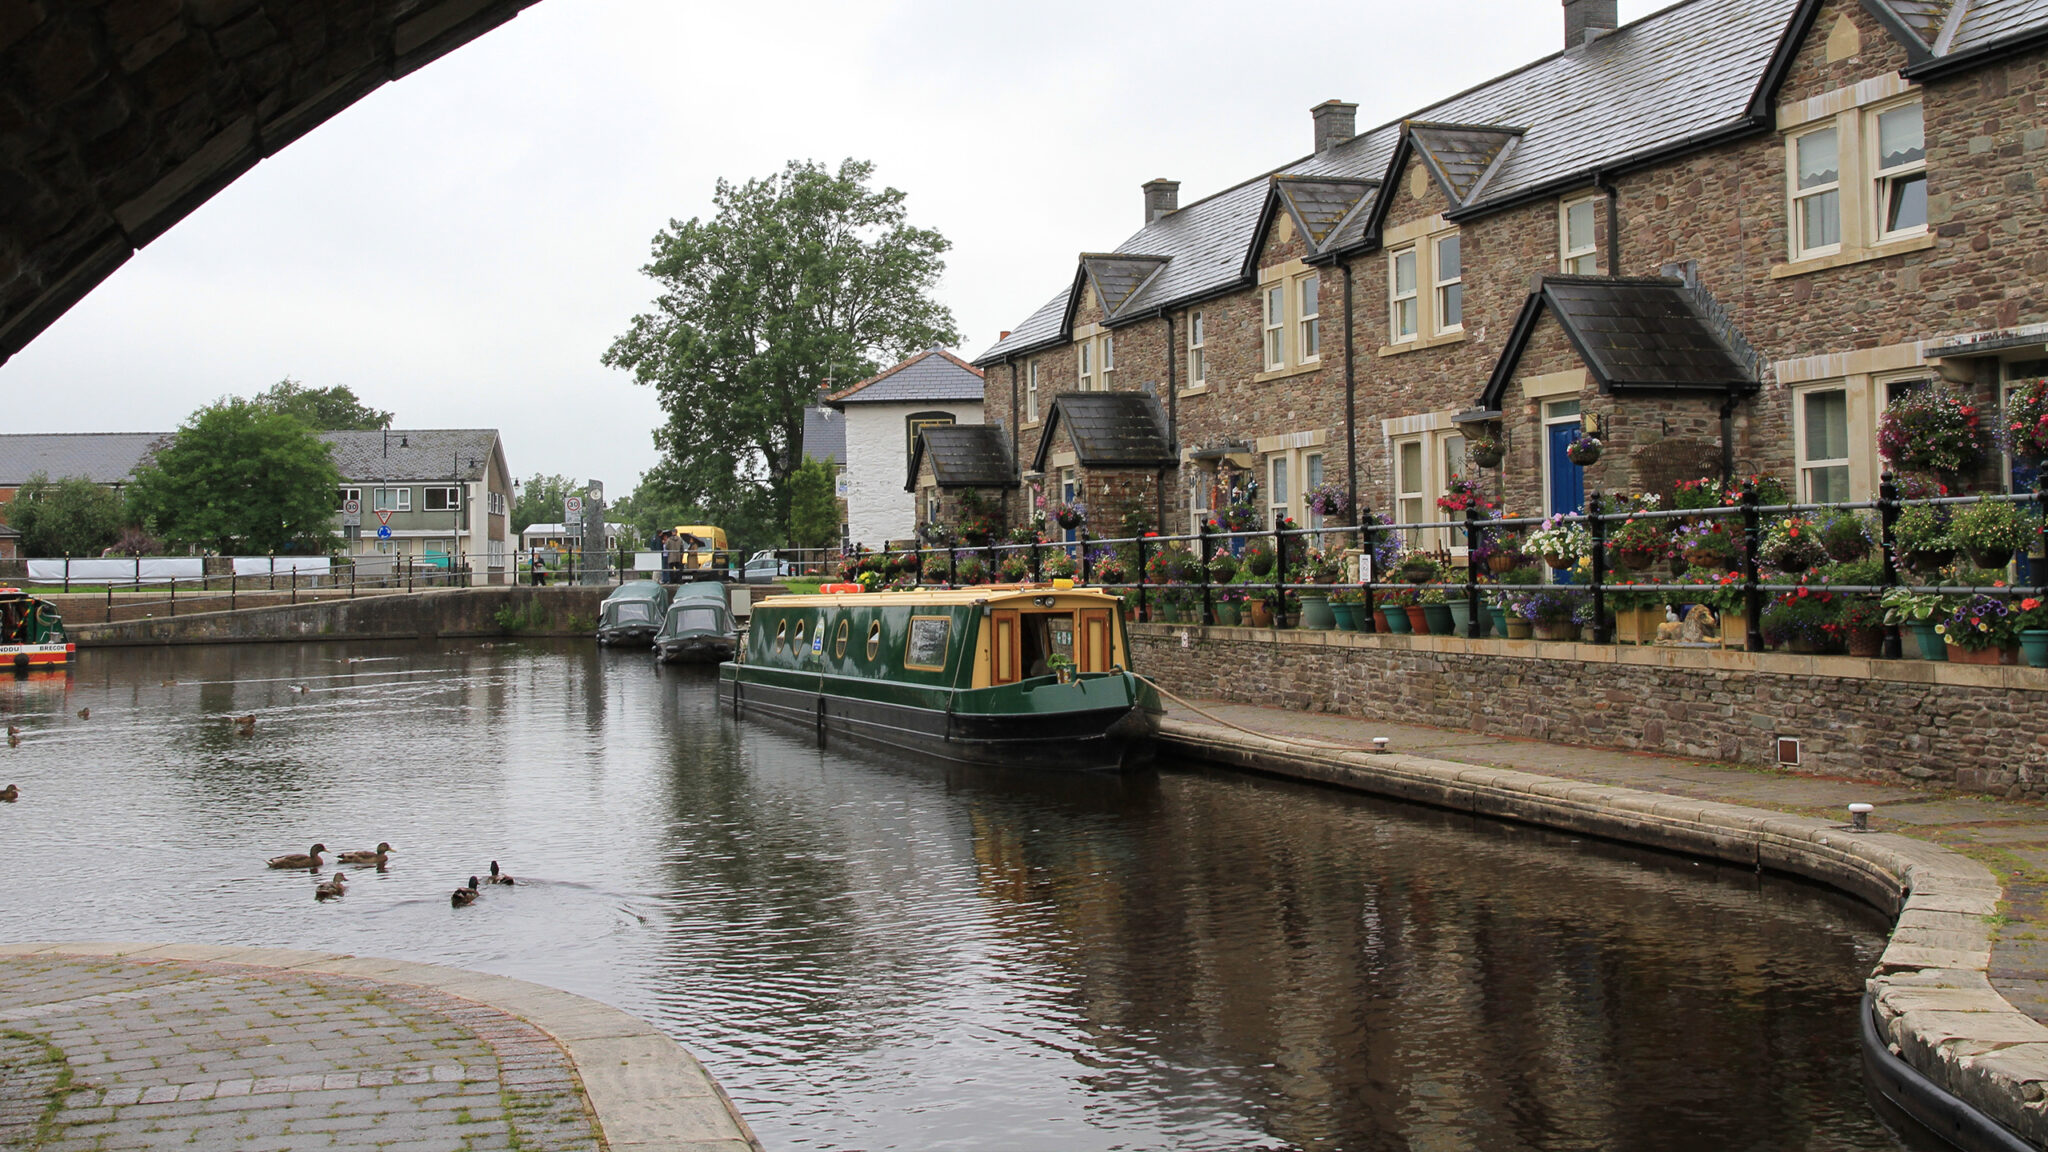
1336 122
1161 196
1587 20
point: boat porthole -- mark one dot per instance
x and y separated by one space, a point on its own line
781 634
796 642
874 639
839 640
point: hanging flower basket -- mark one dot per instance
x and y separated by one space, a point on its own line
2026 422
1583 450
1068 516
1932 430
1484 451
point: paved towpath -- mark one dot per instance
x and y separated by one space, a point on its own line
2009 837
129 1046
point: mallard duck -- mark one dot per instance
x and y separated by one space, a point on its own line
309 860
13 741
14 729
331 887
9 794
466 895
248 721
498 877
367 856
85 713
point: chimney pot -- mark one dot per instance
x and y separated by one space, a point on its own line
1004 335
1336 122
1161 196
1587 20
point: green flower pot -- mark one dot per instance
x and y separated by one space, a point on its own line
1347 616
1930 643
1396 619
1500 619
1315 613
1439 618
1229 615
2034 647
1461 615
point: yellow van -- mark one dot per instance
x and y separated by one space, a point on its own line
709 549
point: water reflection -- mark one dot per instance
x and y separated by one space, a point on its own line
872 953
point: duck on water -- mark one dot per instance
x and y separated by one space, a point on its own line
1032 675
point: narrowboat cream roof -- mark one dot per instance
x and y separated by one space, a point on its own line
937 597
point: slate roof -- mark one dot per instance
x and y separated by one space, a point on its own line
1634 334
824 434
1109 430
964 456
101 457
413 454
934 374
1461 156
1118 278
1321 207
1974 31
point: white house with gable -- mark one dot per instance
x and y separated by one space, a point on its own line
883 416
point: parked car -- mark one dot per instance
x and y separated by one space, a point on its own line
765 567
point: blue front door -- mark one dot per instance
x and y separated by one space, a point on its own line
1567 480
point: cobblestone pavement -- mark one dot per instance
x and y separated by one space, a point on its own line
2010 837
106 1052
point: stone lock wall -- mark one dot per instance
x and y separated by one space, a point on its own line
1901 722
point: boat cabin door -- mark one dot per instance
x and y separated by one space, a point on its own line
1092 650
1004 653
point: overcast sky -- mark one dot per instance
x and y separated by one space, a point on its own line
461 246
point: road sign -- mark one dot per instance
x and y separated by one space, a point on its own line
573 505
352 507
384 518
383 532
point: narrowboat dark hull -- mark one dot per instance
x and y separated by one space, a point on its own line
627 635
1114 736
704 648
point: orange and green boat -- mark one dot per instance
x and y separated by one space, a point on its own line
31 633
1030 675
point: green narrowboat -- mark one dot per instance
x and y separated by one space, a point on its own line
31 633
698 627
1010 675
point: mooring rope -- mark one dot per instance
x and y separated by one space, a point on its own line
1201 711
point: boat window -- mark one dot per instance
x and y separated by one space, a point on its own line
839 639
781 634
1046 634
874 639
796 641
693 620
629 611
926 647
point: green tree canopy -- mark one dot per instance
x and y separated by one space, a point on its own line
70 517
240 474
333 409
540 500
801 277
813 506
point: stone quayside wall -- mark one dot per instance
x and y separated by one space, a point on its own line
1979 728
443 613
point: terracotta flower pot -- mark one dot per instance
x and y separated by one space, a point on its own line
1989 656
1418 620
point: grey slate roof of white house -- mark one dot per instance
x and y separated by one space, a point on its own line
413 454
934 374
1659 84
824 434
101 457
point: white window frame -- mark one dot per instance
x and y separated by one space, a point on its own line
1273 300
452 493
1442 286
1882 179
391 499
1280 487
1031 392
1084 364
1803 463
347 494
1106 362
1199 493
1579 259
1412 297
1434 462
1307 296
1198 353
1795 219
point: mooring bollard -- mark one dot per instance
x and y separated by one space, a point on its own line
1859 816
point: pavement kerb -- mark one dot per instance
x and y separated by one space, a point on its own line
644 1089
1935 1003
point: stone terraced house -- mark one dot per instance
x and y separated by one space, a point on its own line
1720 238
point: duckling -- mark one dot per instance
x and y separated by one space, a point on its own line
367 856
13 741
465 896
300 688
331 887
9 794
248 721
85 713
14 729
309 860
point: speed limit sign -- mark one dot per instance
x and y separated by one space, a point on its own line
352 507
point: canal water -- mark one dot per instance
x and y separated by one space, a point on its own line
871 953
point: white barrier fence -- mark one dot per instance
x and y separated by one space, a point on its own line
166 569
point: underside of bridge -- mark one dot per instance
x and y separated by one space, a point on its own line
118 117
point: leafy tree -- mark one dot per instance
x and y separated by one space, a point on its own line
70 517
540 500
801 277
813 506
239 473
333 409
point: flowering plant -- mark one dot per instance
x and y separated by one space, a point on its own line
1223 568
1067 515
2025 429
1560 539
1792 544
1327 499
1057 564
1106 567
1382 544
1708 544
1808 614
1172 564
1845 535
1015 567
1932 430
1552 606
1461 494
1318 567
1484 449
1979 622
2029 614
970 570
1639 543
1708 492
